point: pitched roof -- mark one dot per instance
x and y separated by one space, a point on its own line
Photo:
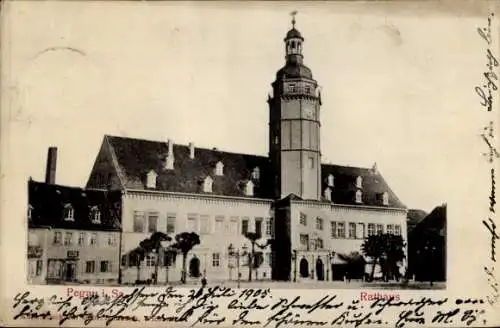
373 186
137 157
48 202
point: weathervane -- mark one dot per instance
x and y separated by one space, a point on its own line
293 13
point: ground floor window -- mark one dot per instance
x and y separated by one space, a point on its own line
105 266
55 268
90 267
216 260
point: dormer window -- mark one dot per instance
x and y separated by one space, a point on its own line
256 173
249 188
68 212
219 169
330 180
385 198
30 211
95 215
328 194
359 196
151 179
359 182
207 184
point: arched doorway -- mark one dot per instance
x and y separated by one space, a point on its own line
320 272
304 268
194 267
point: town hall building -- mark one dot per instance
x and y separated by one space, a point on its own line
312 211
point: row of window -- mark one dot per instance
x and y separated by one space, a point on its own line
208 182
338 228
69 213
84 238
90 266
201 223
150 260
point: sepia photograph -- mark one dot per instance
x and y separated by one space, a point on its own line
154 211
253 164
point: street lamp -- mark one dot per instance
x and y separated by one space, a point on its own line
294 257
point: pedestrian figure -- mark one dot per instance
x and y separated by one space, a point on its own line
203 282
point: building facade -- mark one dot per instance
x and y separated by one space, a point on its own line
73 234
305 213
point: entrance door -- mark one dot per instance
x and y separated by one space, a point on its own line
320 270
70 271
304 268
194 267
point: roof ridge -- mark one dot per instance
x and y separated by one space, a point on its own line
187 146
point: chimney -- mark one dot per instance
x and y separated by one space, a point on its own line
169 161
50 172
191 150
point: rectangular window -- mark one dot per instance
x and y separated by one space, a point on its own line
303 219
397 230
171 218
352 230
304 241
68 237
233 225
291 88
139 221
216 260
105 266
361 231
93 239
341 229
54 269
258 226
333 229
90 267
150 260
219 224
380 229
192 223
244 226
270 227
319 243
390 229
371 229
204 224
39 265
81 239
153 221
111 239
57 238
319 223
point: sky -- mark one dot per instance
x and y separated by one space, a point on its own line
397 85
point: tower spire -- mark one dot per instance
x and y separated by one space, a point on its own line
293 13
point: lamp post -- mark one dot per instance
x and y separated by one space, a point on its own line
294 257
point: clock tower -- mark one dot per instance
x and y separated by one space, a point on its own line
294 125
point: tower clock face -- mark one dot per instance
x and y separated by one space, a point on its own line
309 112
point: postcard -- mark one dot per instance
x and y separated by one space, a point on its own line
249 164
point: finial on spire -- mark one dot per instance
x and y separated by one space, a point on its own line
293 13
